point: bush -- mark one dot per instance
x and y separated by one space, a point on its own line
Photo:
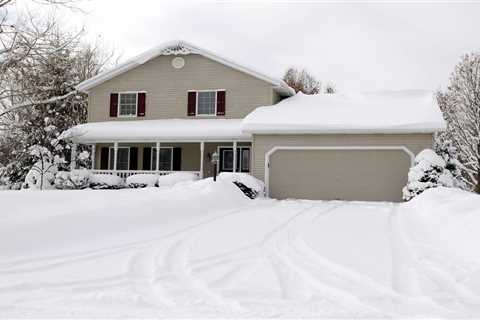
106 181
142 180
41 176
74 180
430 171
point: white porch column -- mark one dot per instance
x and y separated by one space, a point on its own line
234 156
94 147
73 157
202 150
157 164
115 155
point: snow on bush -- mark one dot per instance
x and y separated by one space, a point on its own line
142 180
76 179
251 186
41 176
106 181
176 177
430 171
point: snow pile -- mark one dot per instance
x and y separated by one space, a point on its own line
106 181
142 180
251 186
70 180
441 229
175 177
430 170
376 112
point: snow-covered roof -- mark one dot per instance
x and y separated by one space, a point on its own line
413 111
158 130
179 47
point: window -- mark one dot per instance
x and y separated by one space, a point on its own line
206 103
127 104
243 159
166 159
123 158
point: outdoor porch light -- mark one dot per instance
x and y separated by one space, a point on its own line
215 164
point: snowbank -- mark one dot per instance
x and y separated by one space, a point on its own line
176 177
249 181
442 226
379 112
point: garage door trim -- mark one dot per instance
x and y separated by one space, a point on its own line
270 152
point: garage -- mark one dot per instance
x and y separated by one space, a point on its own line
341 146
338 173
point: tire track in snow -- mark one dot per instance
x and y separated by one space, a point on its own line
10 267
177 261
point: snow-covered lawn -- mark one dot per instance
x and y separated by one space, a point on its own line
203 249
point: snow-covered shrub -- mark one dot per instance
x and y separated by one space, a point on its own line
42 173
41 176
251 186
430 171
106 181
142 180
76 179
176 177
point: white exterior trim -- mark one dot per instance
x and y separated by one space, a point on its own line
115 156
157 161
86 85
270 152
238 148
196 102
136 104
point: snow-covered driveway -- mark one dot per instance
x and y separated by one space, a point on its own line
186 251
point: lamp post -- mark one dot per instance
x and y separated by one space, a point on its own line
215 164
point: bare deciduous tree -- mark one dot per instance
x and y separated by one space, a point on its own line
460 105
301 80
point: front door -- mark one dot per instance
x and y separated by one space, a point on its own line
243 159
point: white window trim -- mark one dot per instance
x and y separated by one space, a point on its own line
196 102
153 165
136 105
111 149
240 160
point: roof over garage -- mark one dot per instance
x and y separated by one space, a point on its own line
414 111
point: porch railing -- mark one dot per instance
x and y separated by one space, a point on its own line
127 173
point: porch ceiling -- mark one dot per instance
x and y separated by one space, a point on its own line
180 130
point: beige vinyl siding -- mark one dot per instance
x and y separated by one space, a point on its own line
167 88
346 175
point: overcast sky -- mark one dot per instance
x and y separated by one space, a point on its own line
358 47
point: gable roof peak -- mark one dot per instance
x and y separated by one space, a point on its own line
181 47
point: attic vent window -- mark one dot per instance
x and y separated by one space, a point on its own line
178 62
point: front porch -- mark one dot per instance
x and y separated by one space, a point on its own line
164 157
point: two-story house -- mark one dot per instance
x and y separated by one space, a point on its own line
172 107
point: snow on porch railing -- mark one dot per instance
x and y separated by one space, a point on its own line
127 173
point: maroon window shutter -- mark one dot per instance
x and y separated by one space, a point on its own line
142 96
113 104
220 103
192 103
